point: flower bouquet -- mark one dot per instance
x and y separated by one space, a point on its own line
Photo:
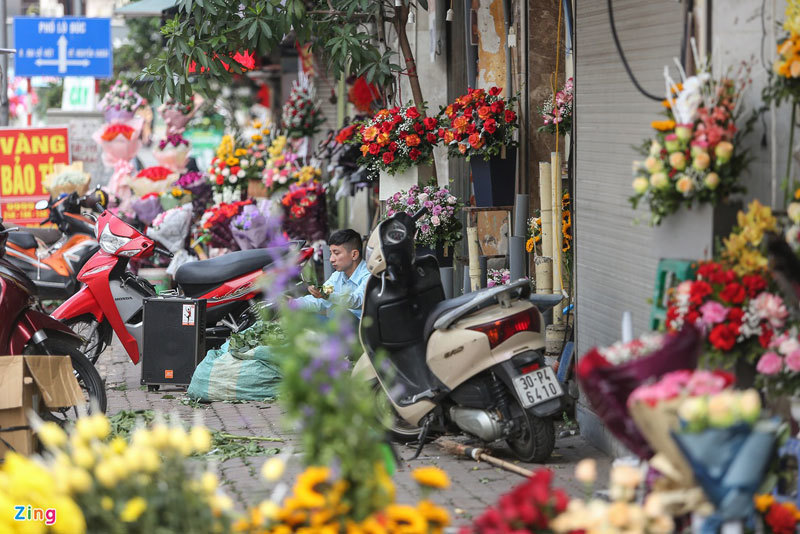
440 224
120 102
557 112
119 140
727 448
654 408
779 369
529 507
280 166
737 314
498 277
174 197
153 180
215 223
479 124
694 155
147 208
532 244
301 115
176 115
228 172
66 179
171 228
398 139
608 376
196 184
250 227
777 517
306 217
173 152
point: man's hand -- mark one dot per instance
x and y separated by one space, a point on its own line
315 292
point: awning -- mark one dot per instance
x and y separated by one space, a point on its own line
145 8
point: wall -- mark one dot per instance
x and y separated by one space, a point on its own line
615 260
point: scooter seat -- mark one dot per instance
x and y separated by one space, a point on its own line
443 307
213 272
22 239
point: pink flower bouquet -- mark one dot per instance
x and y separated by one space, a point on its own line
609 376
119 140
655 407
779 368
173 152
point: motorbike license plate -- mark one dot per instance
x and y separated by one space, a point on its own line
537 387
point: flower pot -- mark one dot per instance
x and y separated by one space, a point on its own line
689 234
402 181
493 180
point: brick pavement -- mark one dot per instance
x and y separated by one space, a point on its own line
475 485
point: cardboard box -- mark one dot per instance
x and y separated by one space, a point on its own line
32 383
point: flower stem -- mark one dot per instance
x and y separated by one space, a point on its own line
789 183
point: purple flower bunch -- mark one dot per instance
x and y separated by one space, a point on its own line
188 179
440 224
175 140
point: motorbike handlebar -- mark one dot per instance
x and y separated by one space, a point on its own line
163 251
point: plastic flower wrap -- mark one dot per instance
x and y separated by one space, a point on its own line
66 179
153 180
119 140
250 227
171 228
301 115
396 139
175 197
173 152
728 449
176 115
654 408
147 208
557 112
306 216
694 155
440 224
498 277
196 184
479 123
608 377
215 223
120 102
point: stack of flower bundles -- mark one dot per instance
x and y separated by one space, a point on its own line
66 179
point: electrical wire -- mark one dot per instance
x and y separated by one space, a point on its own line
638 86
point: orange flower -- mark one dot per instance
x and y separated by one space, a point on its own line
462 147
475 141
663 126
364 150
449 136
383 114
449 110
460 124
383 139
484 112
371 132
412 140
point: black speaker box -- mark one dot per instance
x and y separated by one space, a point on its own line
174 340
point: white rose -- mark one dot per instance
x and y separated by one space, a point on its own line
435 220
451 199
240 174
226 171
233 179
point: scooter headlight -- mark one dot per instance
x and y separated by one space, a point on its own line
396 232
111 243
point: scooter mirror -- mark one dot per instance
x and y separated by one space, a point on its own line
42 205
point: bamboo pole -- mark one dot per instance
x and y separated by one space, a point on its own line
543 267
555 169
546 202
480 455
474 257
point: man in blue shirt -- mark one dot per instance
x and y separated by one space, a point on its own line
347 282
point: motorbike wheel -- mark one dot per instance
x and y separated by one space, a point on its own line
96 336
88 378
398 429
536 437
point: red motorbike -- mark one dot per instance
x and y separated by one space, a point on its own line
112 298
26 330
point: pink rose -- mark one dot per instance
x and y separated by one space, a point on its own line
769 364
705 383
713 312
793 361
771 308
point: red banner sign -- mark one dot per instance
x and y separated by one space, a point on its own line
27 155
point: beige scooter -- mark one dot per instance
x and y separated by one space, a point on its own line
472 363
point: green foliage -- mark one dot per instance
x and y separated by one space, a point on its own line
203 31
337 413
263 333
143 45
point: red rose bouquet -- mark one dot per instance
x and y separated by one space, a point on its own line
216 224
153 180
301 114
738 314
306 217
479 124
397 139
529 507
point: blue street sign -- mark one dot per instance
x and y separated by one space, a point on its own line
66 46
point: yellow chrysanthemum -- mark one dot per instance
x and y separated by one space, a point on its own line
133 509
432 477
